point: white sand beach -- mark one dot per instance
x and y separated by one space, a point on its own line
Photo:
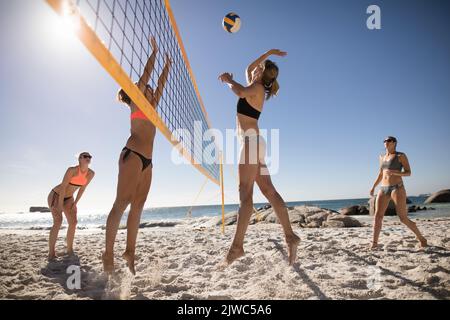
181 263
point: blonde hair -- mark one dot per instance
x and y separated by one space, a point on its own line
269 79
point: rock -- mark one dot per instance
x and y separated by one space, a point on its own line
295 216
310 211
363 210
442 196
318 217
267 206
157 224
349 222
39 209
42 228
298 215
313 224
354 210
262 215
413 209
303 216
230 219
350 211
271 218
333 224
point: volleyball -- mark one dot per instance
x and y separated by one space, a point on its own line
231 22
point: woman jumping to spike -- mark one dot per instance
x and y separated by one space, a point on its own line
261 85
390 176
61 200
135 166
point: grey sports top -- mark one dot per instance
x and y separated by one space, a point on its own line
393 164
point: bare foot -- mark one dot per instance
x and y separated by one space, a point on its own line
108 263
51 257
65 253
233 254
292 244
374 247
423 243
129 258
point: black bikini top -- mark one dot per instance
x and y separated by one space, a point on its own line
243 107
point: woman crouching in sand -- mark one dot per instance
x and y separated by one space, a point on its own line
390 176
135 166
261 85
61 200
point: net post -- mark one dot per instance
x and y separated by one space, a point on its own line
221 191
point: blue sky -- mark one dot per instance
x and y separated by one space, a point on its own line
343 88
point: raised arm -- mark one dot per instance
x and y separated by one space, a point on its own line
238 89
150 65
162 80
260 60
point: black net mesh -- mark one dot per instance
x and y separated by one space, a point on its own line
125 27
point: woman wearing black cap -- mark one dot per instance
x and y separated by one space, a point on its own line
393 166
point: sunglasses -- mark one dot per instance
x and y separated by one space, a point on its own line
86 156
388 140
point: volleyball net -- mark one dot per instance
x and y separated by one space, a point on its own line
118 33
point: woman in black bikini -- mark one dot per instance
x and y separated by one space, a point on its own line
262 84
61 200
135 166
390 176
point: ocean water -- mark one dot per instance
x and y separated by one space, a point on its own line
95 220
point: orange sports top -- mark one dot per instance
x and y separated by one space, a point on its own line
80 179
139 115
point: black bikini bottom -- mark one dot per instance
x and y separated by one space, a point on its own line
145 162
55 198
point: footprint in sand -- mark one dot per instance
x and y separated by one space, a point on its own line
439 269
241 267
172 288
312 266
324 276
356 284
407 267
169 279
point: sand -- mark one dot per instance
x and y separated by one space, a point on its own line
181 262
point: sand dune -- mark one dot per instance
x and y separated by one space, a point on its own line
181 263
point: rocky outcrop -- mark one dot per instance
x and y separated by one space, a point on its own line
442 196
163 224
419 208
39 209
348 222
354 211
302 216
